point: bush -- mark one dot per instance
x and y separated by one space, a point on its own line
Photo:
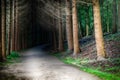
13 55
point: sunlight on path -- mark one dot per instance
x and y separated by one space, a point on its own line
32 68
38 65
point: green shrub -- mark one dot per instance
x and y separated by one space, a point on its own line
13 55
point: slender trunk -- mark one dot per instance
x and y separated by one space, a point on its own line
119 16
87 30
69 26
0 35
80 32
61 47
9 16
108 27
16 25
98 30
75 28
87 21
54 35
12 27
3 15
114 27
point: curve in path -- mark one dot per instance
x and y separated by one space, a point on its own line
36 64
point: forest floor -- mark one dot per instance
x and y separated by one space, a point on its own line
35 64
108 69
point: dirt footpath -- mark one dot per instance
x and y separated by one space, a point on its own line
36 64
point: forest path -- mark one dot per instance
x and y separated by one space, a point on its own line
36 64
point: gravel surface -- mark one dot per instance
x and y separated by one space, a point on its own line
37 64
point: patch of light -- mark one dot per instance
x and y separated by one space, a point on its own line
32 69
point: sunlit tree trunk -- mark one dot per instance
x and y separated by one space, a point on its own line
3 14
75 28
98 31
60 44
69 25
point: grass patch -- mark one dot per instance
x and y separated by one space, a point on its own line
105 74
102 75
13 55
10 59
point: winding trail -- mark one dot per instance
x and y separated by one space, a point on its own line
36 64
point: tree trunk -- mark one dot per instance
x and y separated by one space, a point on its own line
87 30
108 26
8 25
3 15
60 47
16 25
114 27
119 16
54 35
87 21
69 26
12 28
75 28
98 30
0 35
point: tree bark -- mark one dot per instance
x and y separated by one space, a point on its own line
87 21
0 34
119 16
98 30
114 27
75 28
8 26
69 26
60 46
16 25
108 26
3 15
12 48
54 35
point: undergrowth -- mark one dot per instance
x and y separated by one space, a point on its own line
113 37
105 74
13 55
12 58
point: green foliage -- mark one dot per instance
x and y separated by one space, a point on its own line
71 60
85 16
57 54
113 37
13 55
106 14
12 58
103 74
112 69
97 72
